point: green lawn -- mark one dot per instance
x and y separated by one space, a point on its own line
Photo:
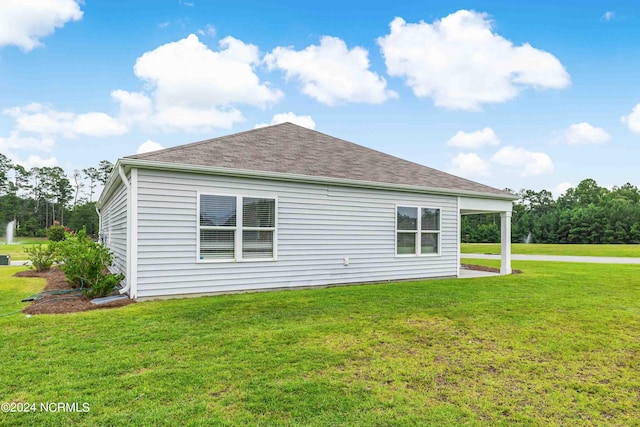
16 250
557 345
548 249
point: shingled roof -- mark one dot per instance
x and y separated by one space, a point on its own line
292 149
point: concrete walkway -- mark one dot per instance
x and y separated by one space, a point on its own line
558 258
473 274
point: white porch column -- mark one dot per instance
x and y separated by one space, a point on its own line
505 240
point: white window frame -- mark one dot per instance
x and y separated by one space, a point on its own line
418 233
238 229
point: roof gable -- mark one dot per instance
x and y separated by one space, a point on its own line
292 149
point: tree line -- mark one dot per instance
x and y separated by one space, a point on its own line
587 213
39 197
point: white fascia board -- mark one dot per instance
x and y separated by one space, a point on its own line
483 205
279 176
109 185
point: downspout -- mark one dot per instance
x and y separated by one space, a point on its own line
126 183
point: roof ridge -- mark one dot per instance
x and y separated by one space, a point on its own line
398 158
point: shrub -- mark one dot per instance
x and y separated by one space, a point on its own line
104 286
42 257
55 233
85 264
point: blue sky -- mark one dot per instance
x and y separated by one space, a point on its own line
512 94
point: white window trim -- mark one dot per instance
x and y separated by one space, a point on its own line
417 232
238 229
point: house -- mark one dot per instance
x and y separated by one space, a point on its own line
284 207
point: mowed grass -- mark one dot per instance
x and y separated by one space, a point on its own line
556 345
552 249
16 250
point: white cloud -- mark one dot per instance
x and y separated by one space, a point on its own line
305 121
98 124
16 141
332 73
43 120
633 119
561 188
149 146
208 30
47 124
135 107
609 15
188 72
23 23
194 88
461 63
40 119
584 133
474 140
469 165
33 161
526 162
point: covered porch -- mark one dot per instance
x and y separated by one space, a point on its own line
475 206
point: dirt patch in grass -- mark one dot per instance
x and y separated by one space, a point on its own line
488 269
62 302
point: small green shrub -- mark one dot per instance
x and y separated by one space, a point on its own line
42 257
55 233
104 286
85 263
83 260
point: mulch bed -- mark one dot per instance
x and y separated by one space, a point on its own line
67 303
487 269
70 303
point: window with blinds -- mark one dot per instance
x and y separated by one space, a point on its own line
217 227
407 230
430 231
236 228
258 226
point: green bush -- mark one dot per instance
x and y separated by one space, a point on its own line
85 263
55 233
42 257
104 286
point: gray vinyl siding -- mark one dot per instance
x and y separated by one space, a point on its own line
114 227
317 227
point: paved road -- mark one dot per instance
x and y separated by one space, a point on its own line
558 258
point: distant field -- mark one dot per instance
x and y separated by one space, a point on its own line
16 250
548 249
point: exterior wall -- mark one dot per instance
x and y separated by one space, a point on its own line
317 227
114 227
